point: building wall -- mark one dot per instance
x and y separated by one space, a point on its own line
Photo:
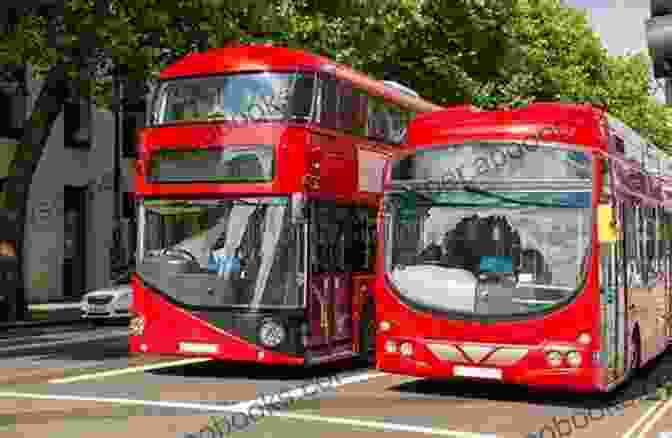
59 167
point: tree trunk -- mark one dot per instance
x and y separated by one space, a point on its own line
36 131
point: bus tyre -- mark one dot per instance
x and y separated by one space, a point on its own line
367 333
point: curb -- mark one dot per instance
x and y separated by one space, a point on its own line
48 318
45 323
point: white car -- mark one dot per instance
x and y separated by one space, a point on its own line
110 303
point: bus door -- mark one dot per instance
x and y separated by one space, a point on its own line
330 295
612 290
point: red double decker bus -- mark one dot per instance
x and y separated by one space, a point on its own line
257 184
527 246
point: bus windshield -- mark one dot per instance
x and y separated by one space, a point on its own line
467 253
234 252
237 97
491 241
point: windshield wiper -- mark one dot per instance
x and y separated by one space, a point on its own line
407 189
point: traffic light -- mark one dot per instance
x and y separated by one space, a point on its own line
659 37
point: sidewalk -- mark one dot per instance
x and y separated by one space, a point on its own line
49 314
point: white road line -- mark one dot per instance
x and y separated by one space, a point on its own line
304 417
244 406
78 340
301 392
130 370
384 426
121 401
642 419
657 417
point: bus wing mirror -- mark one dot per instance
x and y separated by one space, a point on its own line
606 224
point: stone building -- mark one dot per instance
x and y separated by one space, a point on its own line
71 221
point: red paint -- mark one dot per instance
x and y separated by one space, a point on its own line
309 159
562 123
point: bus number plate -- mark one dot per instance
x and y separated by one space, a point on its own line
481 373
192 347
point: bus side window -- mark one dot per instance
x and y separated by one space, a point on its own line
378 123
631 226
653 243
328 103
363 237
351 109
319 250
342 239
302 98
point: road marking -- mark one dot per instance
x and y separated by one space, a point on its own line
121 401
79 340
642 419
659 414
244 406
301 392
383 425
130 370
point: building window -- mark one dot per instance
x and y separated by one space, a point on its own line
128 207
77 114
12 101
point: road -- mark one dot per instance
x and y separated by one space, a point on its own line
72 382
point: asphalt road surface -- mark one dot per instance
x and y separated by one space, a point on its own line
80 382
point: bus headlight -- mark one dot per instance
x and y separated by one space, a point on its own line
406 349
390 347
574 359
271 333
384 326
584 339
554 358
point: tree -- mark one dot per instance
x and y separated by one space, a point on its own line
441 48
563 59
80 42
630 98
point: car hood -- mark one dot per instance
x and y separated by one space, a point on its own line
116 291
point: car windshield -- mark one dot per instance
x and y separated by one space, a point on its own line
484 253
123 279
237 97
233 252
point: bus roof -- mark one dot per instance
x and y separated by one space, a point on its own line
264 58
575 123
464 122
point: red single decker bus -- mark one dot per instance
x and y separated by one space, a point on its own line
528 246
258 180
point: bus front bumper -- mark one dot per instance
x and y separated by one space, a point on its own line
423 359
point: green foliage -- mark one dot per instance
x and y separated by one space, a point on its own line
562 59
450 51
441 48
139 37
628 94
